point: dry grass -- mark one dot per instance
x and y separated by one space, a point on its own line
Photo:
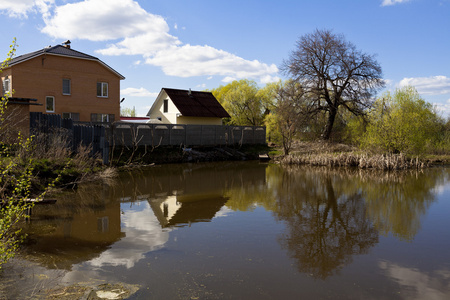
362 161
339 155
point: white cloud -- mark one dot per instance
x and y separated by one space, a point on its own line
443 108
434 85
21 8
188 61
138 92
393 2
133 31
93 20
417 284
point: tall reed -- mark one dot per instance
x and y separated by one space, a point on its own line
362 161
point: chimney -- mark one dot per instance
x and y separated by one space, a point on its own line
190 92
66 44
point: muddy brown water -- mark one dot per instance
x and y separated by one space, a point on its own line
243 230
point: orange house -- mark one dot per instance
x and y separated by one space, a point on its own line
65 82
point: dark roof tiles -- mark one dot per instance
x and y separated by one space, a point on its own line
58 50
196 104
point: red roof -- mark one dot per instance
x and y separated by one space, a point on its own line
196 104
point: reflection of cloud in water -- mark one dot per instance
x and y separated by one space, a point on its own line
441 188
223 212
142 234
419 285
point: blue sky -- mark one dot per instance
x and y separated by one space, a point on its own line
203 44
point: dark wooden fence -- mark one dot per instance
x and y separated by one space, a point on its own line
77 134
102 136
139 134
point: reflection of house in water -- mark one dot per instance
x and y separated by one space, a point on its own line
73 230
182 210
114 225
183 195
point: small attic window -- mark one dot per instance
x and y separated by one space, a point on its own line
166 106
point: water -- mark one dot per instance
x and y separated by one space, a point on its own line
245 231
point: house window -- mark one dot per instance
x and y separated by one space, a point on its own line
102 89
73 116
66 86
166 106
105 118
6 85
50 104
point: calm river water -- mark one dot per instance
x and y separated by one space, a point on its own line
245 231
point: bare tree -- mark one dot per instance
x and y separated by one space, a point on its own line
334 74
290 102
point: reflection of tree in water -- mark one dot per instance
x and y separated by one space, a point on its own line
326 225
396 201
334 214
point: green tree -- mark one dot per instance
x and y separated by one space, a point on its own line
13 189
402 122
128 112
243 102
334 74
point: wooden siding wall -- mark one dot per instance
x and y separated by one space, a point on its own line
135 134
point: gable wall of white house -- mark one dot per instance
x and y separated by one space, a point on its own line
173 116
170 117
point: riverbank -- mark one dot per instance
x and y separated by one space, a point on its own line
341 155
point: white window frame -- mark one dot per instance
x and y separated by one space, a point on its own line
6 85
47 98
103 93
70 86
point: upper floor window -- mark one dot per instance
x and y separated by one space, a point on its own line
6 85
166 106
50 104
102 89
66 86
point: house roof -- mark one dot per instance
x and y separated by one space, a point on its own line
196 104
59 50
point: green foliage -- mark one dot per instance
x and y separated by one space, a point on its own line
14 191
244 101
128 112
402 122
355 129
273 134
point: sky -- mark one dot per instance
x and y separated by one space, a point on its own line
202 44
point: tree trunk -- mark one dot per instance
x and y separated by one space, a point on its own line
329 126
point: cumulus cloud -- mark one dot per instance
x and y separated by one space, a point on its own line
21 8
133 31
434 85
188 61
393 2
137 92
